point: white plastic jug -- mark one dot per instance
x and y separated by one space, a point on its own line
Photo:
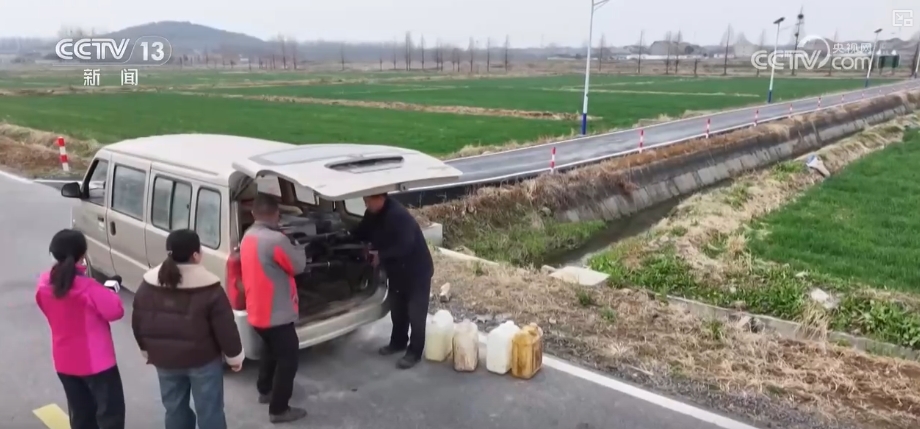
498 347
466 346
439 335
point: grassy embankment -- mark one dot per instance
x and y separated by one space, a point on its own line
853 235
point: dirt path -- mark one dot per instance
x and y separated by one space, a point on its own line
634 91
398 105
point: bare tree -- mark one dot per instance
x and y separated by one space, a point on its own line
641 45
488 54
408 46
600 51
292 42
72 32
507 55
381 59
342 55
280 40
680 38
667 60
422 51
455 59
762 42
727 39
395 54
472 50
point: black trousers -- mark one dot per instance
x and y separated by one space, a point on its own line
278 365
95 401
409 309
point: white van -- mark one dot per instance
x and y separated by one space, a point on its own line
136 191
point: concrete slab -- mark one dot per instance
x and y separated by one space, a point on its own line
580 276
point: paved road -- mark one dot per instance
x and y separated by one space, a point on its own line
343 383
536 158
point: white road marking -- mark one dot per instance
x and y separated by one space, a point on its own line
16 178
635 392
54 181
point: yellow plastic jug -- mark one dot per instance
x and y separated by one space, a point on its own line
527 352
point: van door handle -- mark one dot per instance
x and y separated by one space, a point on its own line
112 227
100 218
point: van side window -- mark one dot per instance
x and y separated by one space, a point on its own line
94 187
128 191
172 204
355 206
207 217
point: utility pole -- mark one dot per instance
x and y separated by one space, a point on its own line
595 5
641 43
799 23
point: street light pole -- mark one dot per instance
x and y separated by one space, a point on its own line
773 62
917 58
872 57
595 5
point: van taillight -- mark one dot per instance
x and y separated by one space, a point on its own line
235 281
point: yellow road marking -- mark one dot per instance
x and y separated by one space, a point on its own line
52 416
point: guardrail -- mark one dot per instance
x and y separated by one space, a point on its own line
438 194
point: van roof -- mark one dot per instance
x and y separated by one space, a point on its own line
211 153
334 170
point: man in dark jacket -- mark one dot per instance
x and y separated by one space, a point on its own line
399 246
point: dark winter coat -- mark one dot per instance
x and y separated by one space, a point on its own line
398 240
186 327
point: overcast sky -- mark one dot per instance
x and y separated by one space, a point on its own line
527 22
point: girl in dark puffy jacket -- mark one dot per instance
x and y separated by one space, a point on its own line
184 326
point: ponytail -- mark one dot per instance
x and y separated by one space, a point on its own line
182 246
62 275
67 247
169 274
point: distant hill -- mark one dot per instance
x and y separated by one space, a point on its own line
187 37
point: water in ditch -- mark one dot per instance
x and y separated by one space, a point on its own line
615 231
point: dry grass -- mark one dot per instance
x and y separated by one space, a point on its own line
34 152
617 328
398 105
552 193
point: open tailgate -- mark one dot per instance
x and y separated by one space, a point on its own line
344 171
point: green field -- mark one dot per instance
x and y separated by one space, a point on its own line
616 102
860 224
112 77
113 117
636 99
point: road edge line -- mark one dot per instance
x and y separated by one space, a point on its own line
636 392
15 177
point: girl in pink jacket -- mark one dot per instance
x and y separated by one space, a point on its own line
79 311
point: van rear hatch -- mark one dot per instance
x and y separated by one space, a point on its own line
344 171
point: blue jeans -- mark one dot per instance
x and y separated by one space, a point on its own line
205 384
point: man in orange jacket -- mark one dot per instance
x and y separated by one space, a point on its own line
269 262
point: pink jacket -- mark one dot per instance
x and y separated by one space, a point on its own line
81 339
